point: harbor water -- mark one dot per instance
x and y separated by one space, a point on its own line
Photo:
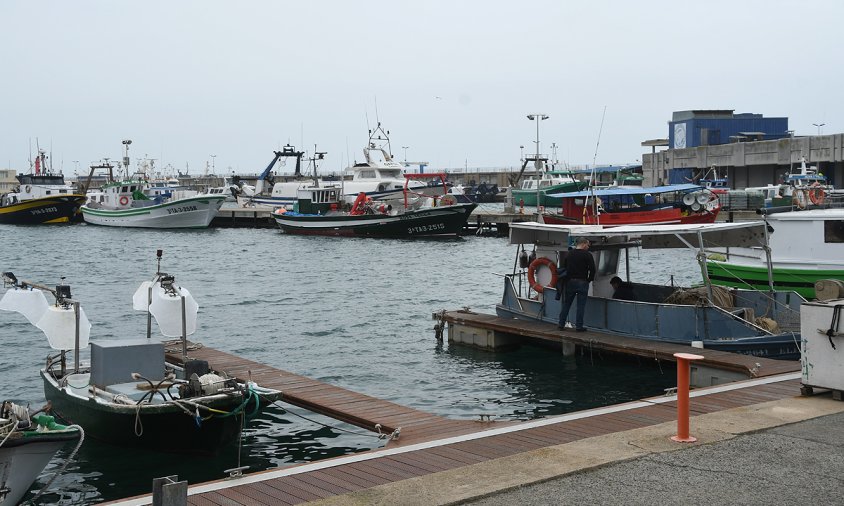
355 313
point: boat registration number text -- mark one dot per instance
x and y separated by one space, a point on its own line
426 228
45 210
182 209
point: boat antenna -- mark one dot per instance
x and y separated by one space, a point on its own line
377 119
595 157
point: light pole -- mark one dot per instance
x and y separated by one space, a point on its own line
819 125
213 159
536 163
405 154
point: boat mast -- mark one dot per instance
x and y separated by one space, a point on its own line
537 163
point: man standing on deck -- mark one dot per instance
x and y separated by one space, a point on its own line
580 268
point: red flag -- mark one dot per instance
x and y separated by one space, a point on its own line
37 165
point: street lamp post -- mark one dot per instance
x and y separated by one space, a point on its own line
819 125
213 159
405 154
536 163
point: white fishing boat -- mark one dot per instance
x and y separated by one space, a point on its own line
124 204
28 442
379 176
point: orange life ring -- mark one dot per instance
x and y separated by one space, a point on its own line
817 195
124 200
532 273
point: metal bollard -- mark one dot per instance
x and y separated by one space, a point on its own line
683 366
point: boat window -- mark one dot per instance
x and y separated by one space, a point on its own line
391 173
833 231
124 189
367 174
607 262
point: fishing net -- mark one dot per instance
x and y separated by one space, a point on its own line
721 297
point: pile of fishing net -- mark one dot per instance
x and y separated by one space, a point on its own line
698 296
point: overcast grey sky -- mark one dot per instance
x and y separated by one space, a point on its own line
453 79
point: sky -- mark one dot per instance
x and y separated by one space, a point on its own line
193 83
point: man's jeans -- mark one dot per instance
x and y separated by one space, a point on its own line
580 289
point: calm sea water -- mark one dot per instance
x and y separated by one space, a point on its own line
351 312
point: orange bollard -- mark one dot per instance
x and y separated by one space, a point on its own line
683 366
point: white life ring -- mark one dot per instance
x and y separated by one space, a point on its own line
28 188
124 200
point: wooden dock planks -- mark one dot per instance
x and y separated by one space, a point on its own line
745 364
311 485
338 403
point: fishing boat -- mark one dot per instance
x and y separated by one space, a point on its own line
684 204
137 392
274 191
806 246
547 188
125 204
763 323
379 176
608 176
28 442
323 211
41 197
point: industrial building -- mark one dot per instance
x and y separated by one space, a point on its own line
748 149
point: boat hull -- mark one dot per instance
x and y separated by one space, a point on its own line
162 428
22 460
650 217
674 323
434 221
53 209
194 212
801 281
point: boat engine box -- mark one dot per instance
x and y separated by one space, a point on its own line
822 344
114 361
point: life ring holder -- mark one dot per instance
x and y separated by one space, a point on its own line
124 200
817 194
532 273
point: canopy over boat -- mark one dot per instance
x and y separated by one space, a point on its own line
629 191
744 234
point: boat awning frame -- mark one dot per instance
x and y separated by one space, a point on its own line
744 234
630 190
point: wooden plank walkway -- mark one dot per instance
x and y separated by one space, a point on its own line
736 362
338 403
307 482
